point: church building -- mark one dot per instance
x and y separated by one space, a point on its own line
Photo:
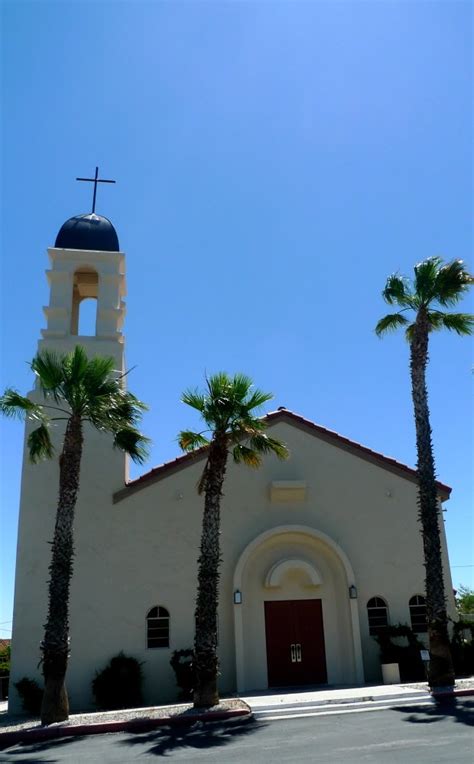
318 551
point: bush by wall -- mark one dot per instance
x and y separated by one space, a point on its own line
462 647
31 695
183 667
406 655
119 684
5 654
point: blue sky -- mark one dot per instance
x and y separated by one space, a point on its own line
275 161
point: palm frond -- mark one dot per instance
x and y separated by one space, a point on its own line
48 367
221 402
266 445
218 384
461 323
390 323
435 319
133 443
451 283
79 364
194 399
240 386
16 406
189 441
73 389
397 291
114 408
227 410
39 444
99 371
244 454
426 274
92 389
258 399
244 428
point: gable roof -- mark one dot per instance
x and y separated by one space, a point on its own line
283 415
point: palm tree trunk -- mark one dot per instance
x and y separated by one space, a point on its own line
441 672
206 664
55 645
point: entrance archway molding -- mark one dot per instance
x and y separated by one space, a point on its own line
277 572
316 535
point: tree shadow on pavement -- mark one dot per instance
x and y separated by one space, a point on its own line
29 751
443 708
199 735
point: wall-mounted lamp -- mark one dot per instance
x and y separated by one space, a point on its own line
352 592
237 597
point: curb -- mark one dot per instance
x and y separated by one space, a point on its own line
8 739
452 693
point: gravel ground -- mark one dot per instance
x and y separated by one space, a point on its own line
10 723
461 684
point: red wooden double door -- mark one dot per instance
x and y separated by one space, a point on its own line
295 643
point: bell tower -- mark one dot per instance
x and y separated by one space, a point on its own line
86 263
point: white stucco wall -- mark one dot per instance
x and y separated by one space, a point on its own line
142 552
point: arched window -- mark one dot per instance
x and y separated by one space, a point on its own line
158 627
377 612
85 294
87 317
418 614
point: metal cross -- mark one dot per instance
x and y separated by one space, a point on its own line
95 181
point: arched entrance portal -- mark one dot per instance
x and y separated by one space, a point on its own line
296 624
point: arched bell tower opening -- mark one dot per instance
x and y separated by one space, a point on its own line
85 291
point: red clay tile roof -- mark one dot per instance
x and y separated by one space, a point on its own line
329 436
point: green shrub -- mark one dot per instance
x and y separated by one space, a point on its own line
462 647
31 695
5 652
5 657
119 684
183 667
407 656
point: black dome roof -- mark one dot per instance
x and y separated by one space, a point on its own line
88 232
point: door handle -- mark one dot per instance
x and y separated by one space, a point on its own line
298 653
293 653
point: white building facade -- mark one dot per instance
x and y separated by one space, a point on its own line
315 549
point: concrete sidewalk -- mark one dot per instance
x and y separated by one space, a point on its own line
354 694
324 696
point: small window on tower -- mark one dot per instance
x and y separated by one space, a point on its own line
158 627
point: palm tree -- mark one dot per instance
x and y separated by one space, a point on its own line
436 285
76 390
228 408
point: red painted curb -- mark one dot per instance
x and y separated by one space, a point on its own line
8 739
451 693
